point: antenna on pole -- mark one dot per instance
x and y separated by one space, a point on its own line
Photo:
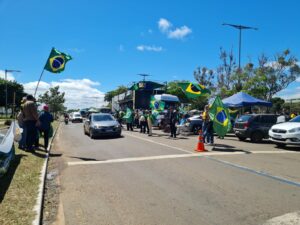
144 76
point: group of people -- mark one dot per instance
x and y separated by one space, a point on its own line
33 124
144 120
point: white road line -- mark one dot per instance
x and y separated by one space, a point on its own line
273 152
146 158
158 143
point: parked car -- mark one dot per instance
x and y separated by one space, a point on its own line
192 125
102 124
287 133
254 126
76 117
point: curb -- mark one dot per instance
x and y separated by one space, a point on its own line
39 203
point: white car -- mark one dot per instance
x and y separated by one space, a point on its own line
287 133
76 117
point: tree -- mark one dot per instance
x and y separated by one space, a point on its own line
12 87
277 105
273 76
204 77
174 89
54 99
109 95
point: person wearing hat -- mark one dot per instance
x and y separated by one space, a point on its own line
31 121
45 123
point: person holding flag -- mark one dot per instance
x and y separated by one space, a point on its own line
220 117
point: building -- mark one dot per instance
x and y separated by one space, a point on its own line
138 96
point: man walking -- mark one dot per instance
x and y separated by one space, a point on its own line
30 121
45 124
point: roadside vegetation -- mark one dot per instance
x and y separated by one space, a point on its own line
19 187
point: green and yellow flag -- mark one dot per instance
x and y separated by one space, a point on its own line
220 116
156 105
57 61
194 90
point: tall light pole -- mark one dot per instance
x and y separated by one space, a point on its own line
6 94
240 28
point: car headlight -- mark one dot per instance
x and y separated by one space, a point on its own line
117 126
294 130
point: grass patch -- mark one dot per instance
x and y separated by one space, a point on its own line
19 187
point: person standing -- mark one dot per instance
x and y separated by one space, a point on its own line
142 121
205 123
31 121
45 119
150 121
20 119
129 121
173 120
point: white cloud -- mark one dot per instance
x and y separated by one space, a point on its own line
166 27
152 48
80 93
180 33
10 76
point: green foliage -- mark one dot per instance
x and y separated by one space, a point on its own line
12 86
54 99
174 89
277 105
270 77
109 95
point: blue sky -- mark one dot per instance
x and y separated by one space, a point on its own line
112 41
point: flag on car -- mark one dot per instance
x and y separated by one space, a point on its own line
219 114
193 90
57 61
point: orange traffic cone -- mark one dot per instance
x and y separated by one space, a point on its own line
200 144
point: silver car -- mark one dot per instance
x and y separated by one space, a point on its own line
101 124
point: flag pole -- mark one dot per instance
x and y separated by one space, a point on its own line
37 86
38 82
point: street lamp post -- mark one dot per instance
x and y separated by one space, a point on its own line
6 94
240 28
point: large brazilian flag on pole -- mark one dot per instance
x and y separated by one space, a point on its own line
220 116
193 90
57 61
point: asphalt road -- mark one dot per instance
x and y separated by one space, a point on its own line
140 180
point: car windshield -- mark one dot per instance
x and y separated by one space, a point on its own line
103 118
296 119
77 114
244 118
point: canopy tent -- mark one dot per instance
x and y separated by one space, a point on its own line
242 99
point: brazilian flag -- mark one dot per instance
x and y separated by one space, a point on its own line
57 61
156 105
220 116
194 90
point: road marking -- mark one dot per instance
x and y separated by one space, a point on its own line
158 143
146 158
260 173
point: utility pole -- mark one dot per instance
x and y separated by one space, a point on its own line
240 28
6 93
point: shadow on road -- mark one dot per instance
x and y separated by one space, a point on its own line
6 180
227 148
84 159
